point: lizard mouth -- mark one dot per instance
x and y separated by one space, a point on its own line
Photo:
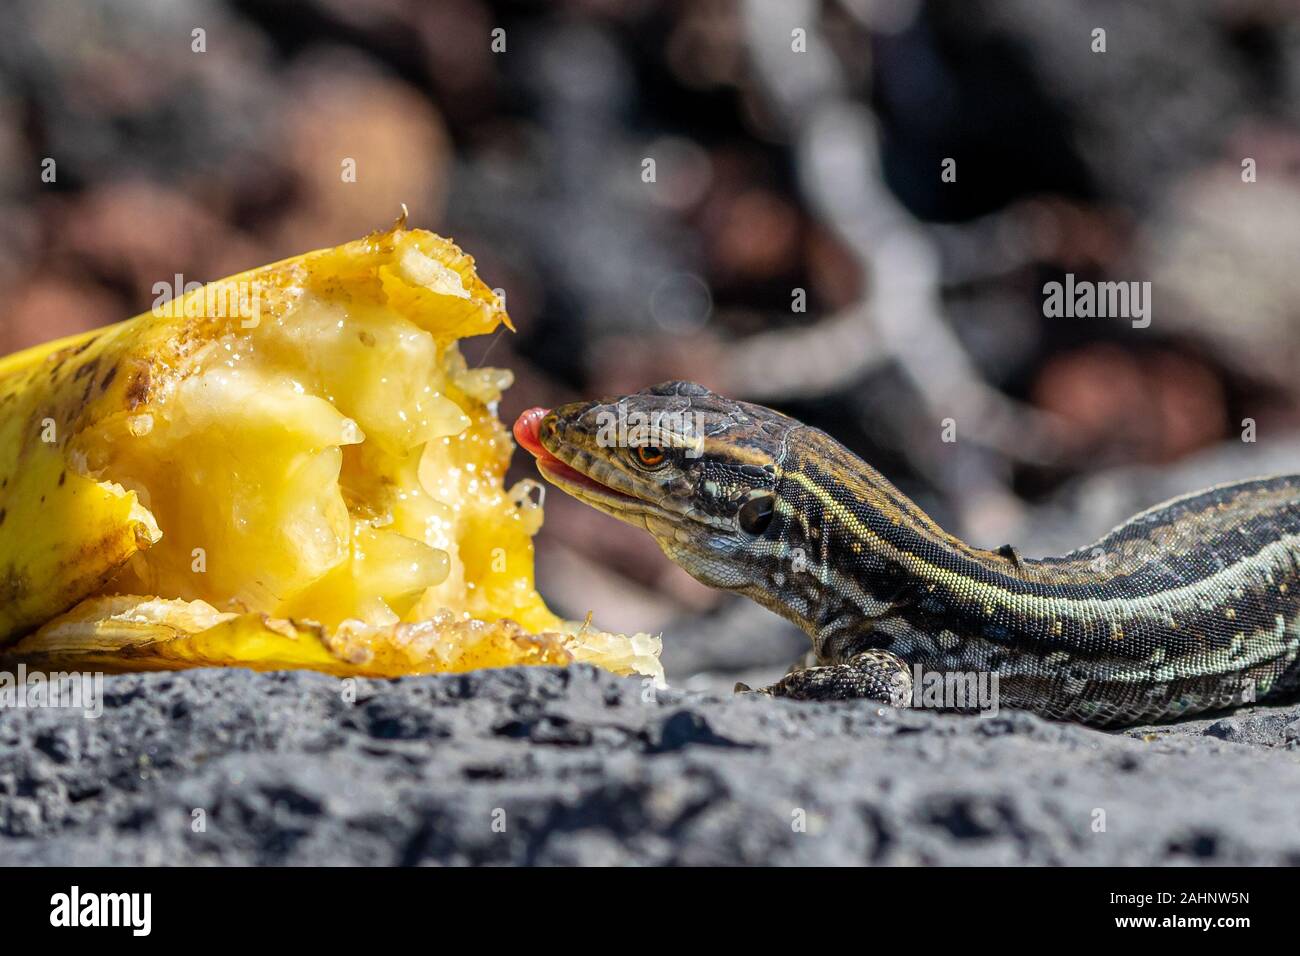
527 432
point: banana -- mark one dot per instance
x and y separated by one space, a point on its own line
291 467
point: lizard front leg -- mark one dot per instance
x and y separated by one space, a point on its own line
873 674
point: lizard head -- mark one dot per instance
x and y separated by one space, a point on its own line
700 472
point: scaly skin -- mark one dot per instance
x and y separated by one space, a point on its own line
1191 606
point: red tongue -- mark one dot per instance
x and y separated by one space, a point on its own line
526 431
526 427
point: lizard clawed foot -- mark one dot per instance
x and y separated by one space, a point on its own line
871 675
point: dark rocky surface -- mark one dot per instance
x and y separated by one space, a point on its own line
579 766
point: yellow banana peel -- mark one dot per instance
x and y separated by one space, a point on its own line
292 467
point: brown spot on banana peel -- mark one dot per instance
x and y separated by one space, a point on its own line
137 393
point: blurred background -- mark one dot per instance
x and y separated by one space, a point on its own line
747 193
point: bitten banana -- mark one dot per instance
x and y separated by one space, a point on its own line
292 467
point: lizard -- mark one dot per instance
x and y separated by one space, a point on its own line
1188 607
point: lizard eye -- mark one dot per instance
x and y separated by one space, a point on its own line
756 512
650 456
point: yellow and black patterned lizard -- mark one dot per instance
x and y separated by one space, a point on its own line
1191 606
